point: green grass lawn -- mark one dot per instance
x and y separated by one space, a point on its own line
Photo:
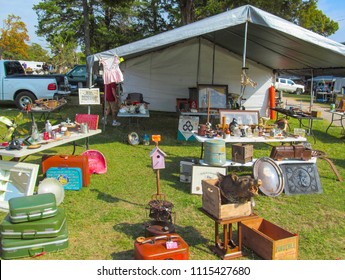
105 218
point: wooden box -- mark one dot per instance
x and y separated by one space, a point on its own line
316 114
242 153
211 203
269 240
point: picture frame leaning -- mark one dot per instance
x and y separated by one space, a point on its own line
217 95
245 117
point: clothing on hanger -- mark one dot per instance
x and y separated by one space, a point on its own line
111 70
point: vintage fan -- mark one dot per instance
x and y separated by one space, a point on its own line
12 126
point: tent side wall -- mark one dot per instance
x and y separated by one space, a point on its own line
165 75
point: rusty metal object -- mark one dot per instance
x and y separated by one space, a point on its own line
323 155
161 210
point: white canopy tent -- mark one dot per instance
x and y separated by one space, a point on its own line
214 51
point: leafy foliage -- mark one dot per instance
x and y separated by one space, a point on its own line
13 39
115 23
37 53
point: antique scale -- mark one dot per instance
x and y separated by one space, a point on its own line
160 210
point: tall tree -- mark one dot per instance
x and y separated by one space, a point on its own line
313 19
86 27
64 53
37 53
13 38
112 23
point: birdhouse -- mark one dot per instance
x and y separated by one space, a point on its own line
157 158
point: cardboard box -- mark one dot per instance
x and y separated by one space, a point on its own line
242 153
211 203
268 240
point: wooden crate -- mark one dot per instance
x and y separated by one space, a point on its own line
316 114
211 203
242 153
268 240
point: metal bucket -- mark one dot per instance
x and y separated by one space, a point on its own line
215 152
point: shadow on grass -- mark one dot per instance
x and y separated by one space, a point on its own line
112 199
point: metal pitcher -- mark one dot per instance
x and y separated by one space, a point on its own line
84 128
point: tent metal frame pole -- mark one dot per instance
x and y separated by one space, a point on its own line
312 91
245 46
244 60
198 70
213 57
105 107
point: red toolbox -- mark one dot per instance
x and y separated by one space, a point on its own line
80 161
162 247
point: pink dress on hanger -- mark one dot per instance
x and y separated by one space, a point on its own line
111 70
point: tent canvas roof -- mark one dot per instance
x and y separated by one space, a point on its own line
271 41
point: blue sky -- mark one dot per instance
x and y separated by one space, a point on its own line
335 9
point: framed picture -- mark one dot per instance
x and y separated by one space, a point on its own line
242 116
215 94
201 172
16 179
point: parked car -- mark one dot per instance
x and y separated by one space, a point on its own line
16 86
77 78
287 85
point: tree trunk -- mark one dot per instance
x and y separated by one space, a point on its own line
186 7
86 28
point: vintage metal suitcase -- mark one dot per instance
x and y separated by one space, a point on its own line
80 161
21 248
33 207
163 247
49 227
290 152
69 177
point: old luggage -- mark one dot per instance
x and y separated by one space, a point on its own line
21 248
49 227
33 207
69 177
80 161
290 152
163 247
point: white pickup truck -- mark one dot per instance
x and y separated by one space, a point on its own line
287 85
16 86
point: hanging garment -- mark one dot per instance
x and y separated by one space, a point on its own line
111 70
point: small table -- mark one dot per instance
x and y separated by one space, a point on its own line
300 116
45 112
225 247
136 116
340 115
324 96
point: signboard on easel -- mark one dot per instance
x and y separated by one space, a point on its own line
89 96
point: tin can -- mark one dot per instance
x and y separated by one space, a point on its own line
332 107
45 136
